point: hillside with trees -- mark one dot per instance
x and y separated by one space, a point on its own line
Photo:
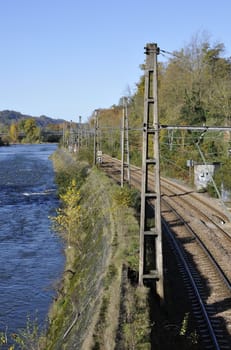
16 127
194 89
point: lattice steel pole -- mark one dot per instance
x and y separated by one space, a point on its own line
80 134
151 259
96 136
122 147
126 142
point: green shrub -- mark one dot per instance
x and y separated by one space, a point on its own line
126 196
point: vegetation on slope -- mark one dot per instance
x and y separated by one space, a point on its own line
101 235
99 303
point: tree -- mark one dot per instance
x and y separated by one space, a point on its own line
13 132
32 132
192 112
67 219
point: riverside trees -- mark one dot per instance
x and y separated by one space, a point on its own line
16 127
25 131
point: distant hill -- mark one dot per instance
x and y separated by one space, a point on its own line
8 117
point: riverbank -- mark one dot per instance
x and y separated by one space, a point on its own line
98 305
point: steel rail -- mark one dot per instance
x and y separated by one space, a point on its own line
213 262
194 286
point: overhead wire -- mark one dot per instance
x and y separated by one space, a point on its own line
173 163
212 179
170 53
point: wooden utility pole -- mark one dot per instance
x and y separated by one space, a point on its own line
151 259
125 164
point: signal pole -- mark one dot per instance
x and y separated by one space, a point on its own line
151 259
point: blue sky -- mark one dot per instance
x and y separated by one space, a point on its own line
66 58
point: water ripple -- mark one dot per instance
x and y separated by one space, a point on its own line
31 254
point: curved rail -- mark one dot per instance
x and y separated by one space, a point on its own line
194 287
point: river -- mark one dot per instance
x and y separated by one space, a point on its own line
31 254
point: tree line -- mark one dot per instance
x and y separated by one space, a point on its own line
27 131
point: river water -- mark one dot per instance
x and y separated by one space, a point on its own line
31 258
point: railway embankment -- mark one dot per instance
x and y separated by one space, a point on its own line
98 305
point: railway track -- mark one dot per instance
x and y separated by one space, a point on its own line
198 230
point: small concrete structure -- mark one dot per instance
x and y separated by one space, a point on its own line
203 174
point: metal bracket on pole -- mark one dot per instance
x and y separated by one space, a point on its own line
151 259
